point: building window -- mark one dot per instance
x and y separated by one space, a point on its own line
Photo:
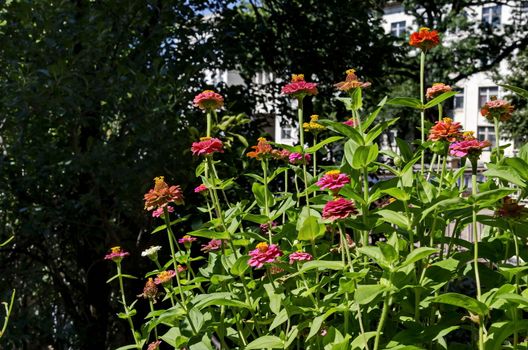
524 7
398 28
286 133
485 94
458 101
486 133
492 15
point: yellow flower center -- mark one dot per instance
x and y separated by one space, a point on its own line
261 139
350 71
186 237
115 249
205 138
447 120
159 180
262 247
333 172
205 91
297 77
314 118
424 29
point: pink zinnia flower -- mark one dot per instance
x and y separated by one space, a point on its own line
116 254
351 82
499 109
207 145
159 212
350 122
296 158
208 100
282 154
162 194
214 244
299 88
181 268
300 256
339 208
200 189
263 254
468 148
436 90
187 239
445 130
333 180
165 276
154 345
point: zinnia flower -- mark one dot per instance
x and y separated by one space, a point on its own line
165 276
150 291
499 109
445 130
208 100
162 194
264 228
300 256
264 253
313 126
350 122
468 148
116 254
299 88
151 252
187 240
282 154
207 145
333 180
181 268
154 345
511 208
261 150
424 38
214 244
436 90
159 212
200 189
296 158
339 208
351 82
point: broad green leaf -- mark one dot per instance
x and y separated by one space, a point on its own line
318 321
323 143
418 254
174 222
504 173
348 131
520 166
397 193
361 340
446 204
206 233
322 265
514 298
240 266
279 319
311 229
405 149
406 102
389 253
366 293
491 197
500 331
364 155
519 91
439 99
275 299
395 218
266 342
262 193
375 254
463 301
258 219
370 119
378 129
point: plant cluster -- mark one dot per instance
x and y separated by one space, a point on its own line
332 261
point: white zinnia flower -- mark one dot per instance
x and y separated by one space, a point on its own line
152 251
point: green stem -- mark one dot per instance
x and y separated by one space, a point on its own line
285 192
315 159
151 305
497 139
125 305
365 210
209 123
475 249
8 313
433 160
308 289
300 115
264 163
422 113
440 111
381 324
171 237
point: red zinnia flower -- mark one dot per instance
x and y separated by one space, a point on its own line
263 254
351 82
499 109
333 180
208 100
468 148
339 208
300 256
445 130
116 254
436 90
162 194
261 150
214 244
299 88
207 145
424 38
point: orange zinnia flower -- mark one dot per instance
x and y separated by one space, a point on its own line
162 194
496 108
351 82
445 130
424 38
261 150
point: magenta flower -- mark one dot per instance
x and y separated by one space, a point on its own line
299 88
263 254
264 228
208 100
116 254
187 239
154 345
300 256
333 180
165 276
159 212
296 158
200 189
339 208
207 145
468 148
350 122
214 244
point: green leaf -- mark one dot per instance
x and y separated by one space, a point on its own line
364 155
397 193
504 173
375 254
177 221
520 166
378 129
367 293
343 129
395 218
418 254
204 232
316 147
439 99
274 298
370 119
389 253
405 149
446 204
491 197
361 340
311 229
261 192
472 305
266 342
519 91
258 219
406 102
240 266
217 299
322 265
500 331
279 319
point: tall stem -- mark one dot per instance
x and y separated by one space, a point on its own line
497 139
314 157
384 312
125 305
365 209
440 111
422 113
264 163
209 123
475 249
